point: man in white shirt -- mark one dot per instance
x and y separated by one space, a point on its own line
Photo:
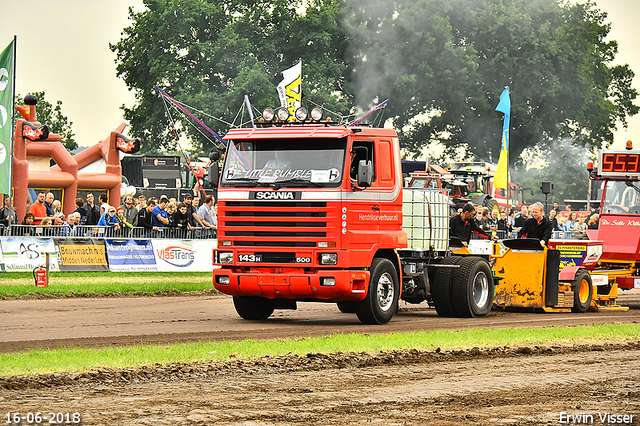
207 214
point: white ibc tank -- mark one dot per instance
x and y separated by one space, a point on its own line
425 218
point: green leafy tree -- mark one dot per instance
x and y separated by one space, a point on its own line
444 64
565 164
53 117
209 54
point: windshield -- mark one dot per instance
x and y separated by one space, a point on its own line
622 197
284 162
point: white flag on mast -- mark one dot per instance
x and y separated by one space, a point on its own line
290 88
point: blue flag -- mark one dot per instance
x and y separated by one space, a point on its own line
500 179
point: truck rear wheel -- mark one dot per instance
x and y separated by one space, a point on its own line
381 302
582 291
253 308
472 288
441 287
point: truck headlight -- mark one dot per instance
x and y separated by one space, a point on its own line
225 257
328 282
328 258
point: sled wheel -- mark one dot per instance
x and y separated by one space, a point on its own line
582 291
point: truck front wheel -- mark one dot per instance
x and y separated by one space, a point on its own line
347 307
472 288
253 308
381 302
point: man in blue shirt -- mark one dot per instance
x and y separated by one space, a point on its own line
109 221
159 214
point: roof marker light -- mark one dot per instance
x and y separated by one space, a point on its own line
283 114
268 114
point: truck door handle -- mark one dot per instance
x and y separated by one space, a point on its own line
375 208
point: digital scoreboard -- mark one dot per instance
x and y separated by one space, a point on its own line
619 163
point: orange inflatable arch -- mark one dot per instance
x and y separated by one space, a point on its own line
33 144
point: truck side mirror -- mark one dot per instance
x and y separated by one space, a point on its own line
365 173
213 174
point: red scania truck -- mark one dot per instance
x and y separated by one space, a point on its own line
310 211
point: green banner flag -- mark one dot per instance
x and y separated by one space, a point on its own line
6 105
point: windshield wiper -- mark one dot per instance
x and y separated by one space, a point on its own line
244 179
635 188
284 183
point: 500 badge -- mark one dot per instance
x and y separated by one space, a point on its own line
303 260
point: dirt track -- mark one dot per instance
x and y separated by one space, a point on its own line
119 321
525 386
528 385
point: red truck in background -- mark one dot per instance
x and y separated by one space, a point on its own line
467 182
309 211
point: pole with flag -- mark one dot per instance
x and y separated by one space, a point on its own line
501 178
6 108
290 89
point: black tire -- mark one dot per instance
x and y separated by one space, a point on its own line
253 308
381 302
347 307
472 288
441 287
490 203
582 287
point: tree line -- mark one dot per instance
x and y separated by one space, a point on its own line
442 64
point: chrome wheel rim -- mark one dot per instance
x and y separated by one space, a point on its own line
480 289
385 293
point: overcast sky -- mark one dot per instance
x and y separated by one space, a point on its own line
63 50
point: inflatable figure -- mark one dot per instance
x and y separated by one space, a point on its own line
34 143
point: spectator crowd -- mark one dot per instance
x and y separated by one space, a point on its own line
134 217
503 223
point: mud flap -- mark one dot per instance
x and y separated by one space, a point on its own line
551 278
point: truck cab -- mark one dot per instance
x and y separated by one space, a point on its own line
310 212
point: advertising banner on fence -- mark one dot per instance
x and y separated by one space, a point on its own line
130 255
82 254
184 255
26 254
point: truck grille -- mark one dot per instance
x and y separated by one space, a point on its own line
278 257
274 224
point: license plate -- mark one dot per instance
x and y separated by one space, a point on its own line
250 258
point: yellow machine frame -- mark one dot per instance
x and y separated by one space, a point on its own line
524 282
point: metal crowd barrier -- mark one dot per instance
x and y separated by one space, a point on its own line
555 235
500 234
90 231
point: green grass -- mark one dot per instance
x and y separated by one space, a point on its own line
18 284
47 361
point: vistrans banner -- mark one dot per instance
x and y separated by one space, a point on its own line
184 255
82 254
130 255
